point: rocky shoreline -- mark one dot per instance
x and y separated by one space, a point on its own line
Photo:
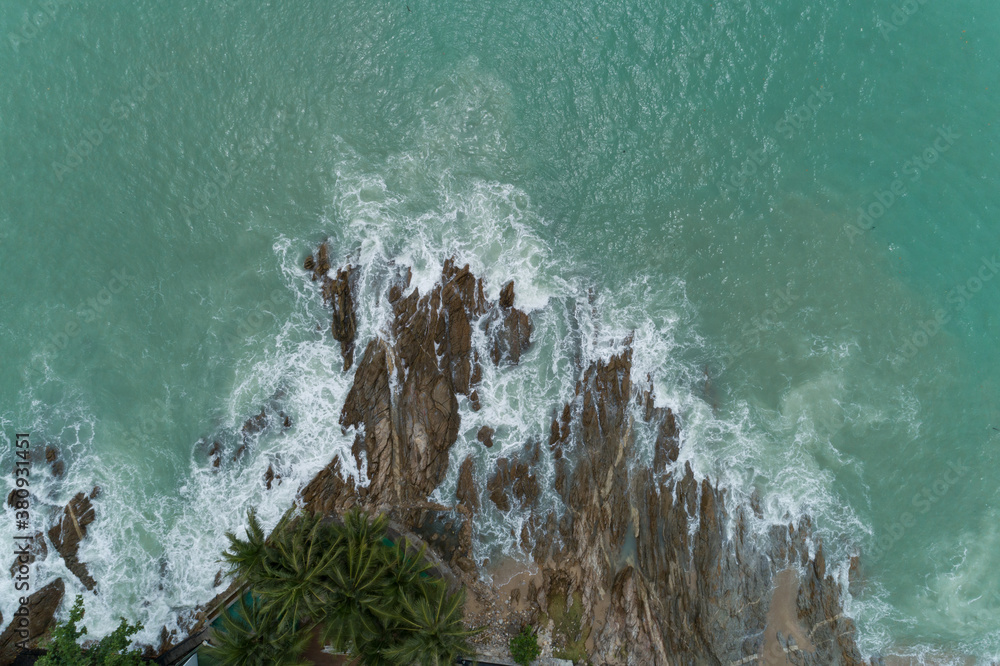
644 560
644 565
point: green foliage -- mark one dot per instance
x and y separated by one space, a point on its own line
524 647
371 599
359 590
246 559
294 580
112 650
434 633
249 636
570 633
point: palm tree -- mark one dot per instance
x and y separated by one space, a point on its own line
356 595
408 574
373 645
246 558
249 637
434 631
294 582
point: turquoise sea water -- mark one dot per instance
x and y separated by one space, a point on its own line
691 172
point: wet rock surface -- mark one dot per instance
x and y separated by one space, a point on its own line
509 329
67 534
485 435
338 294
43 605
35 549
663 573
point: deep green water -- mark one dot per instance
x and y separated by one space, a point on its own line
166 166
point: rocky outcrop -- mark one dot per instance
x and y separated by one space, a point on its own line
338 295
656 591
67 534
43 605
485 435
52 457
34 549
404 400
662 571
509 329
513 483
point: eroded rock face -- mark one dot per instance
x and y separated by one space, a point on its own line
67 534
404 400
665 574
509 329
338 294
513 483
43 605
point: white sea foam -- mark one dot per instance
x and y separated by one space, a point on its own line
155 556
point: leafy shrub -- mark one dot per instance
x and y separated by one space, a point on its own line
524 647
112 650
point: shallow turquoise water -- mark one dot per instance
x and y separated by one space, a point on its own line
693 167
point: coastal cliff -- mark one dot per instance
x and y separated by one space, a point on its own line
654 567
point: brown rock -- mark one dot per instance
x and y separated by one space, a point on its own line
485 436
43 605
663 572
337 293
37 550
513 480
320 265
254 425
67 534
329 492
467 493
511 337
52 457
215 453
507 295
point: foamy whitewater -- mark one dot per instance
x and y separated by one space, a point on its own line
597 154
